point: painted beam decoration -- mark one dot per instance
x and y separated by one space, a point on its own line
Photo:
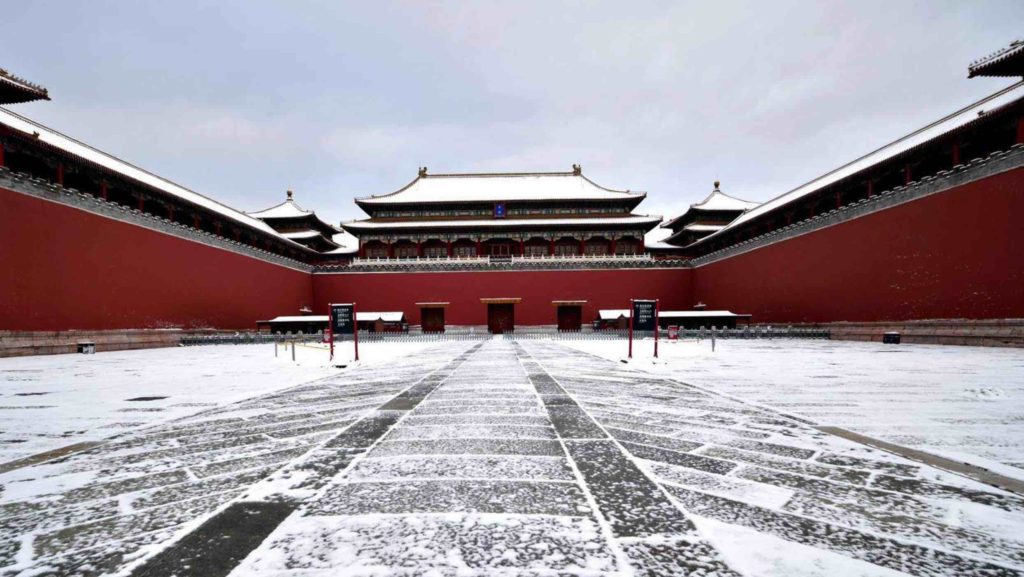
644 315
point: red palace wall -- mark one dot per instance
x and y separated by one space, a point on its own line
954 254
65 268
603 289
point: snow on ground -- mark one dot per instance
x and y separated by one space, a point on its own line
499 458
48 402
965 403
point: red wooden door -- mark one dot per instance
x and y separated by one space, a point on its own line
570 318
433 320
500 318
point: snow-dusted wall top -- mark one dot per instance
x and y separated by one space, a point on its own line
86 152
938 128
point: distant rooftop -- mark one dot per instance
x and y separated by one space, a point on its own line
14 90
495 187
1008 61
287 209
717 201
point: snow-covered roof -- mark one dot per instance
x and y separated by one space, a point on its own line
717 201
299 319
942 126
287 209
436 188
343 250
86 152
502 222
697 314
388 317
1007 61
612 314
694 227
14 89
301 234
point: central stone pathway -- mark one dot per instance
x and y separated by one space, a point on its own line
495 471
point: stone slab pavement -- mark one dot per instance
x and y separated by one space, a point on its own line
491 458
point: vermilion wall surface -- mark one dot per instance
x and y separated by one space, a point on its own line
955 254
603 289
63 268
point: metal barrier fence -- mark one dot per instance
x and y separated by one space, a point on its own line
248 339
415 334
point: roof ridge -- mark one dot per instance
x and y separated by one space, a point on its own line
496 174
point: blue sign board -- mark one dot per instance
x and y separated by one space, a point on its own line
499 210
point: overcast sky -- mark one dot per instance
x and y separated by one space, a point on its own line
242 100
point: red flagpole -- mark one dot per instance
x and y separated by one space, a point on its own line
630 328
330 329
657 313
355 330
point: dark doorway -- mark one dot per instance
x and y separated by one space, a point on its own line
570 317
501 318
433 319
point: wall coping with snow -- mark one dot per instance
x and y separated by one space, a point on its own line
977 169
44 190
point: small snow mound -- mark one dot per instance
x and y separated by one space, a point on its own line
985 393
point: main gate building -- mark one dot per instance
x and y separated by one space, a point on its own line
501 215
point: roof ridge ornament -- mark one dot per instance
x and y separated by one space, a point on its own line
717 185
423 172
289 196
577 170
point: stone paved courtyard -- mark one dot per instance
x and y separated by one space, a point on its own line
498 457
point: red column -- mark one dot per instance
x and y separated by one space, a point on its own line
1020 130
613 246
142 204
643 247
2 154
479 247
170 213
195 222
551 252
60 173
839 200
419 248
362 249
391 250
103 190
522 247
449 249
217 228
906 174
583 247
956 153
871 188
